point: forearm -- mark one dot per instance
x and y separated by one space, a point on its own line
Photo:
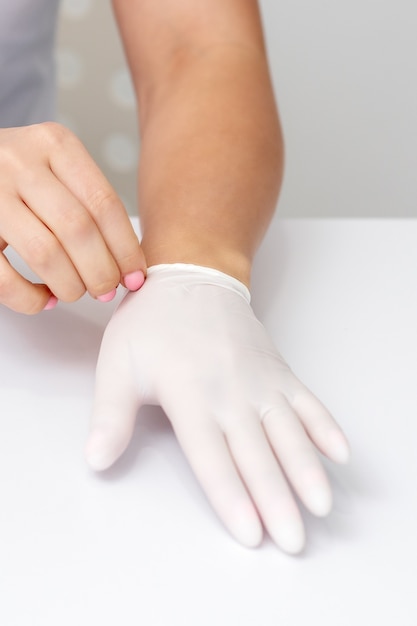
211 146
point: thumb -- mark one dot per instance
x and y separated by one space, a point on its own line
116 403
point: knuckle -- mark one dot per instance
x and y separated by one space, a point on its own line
78 224
130 263
52 133
17 146
41 250
102 201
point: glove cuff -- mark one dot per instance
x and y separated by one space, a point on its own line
223 279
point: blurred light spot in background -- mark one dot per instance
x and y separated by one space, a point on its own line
76 9
120 152
69 68
121 89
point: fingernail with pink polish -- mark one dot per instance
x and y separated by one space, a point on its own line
52 302
107 297
134 280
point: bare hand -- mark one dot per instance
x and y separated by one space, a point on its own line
61 215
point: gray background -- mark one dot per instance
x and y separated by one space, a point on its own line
345 79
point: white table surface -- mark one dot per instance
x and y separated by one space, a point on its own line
139 545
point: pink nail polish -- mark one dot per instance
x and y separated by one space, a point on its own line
134 280
52 302
107 297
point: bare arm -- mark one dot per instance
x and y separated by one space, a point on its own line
211 144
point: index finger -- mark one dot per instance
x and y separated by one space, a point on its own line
71 163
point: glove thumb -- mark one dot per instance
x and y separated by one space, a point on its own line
115 406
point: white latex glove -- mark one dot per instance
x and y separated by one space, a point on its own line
190 342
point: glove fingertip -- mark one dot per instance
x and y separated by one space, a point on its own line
100 452
245 526
339 449
249 534
291 539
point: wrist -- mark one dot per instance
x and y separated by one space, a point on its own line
195 251
200 274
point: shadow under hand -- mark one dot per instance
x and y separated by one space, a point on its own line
55 349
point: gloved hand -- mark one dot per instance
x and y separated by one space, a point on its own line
190 342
